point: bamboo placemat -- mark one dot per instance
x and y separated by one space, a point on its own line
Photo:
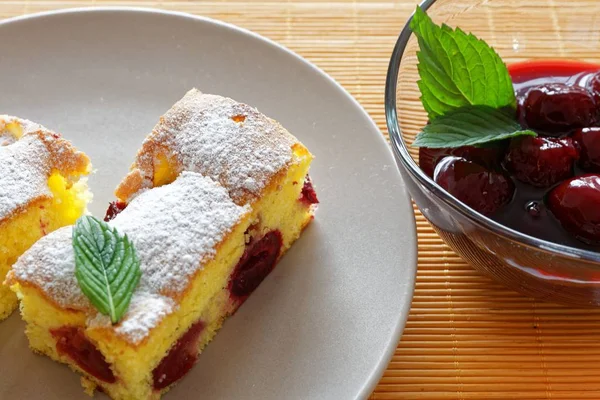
466 338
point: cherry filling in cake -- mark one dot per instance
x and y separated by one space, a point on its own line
114 208
309 195
546 186
180 360
259 257
257 262
72 342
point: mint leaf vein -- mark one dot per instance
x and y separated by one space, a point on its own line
457 69
469 126
107 267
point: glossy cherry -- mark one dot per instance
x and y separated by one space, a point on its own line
587 141
478 187
429 158
576 205
489 156
593 86
558 108
541 161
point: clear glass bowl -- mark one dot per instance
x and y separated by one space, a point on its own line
519 30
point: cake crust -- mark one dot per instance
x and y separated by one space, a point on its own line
29 153
231 142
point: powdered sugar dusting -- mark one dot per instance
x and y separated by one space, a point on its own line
216 136
28 153
24 169
50 264
175 229
8 124
145 311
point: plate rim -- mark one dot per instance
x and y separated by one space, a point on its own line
378 370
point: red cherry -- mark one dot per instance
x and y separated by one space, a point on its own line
478 187
575 203
593 86
489 156
429 158
541 161
588 142
558 108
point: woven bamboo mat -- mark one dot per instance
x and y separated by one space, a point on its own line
466 338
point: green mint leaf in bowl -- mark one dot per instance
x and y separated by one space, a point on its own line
457 69
470 126
107 267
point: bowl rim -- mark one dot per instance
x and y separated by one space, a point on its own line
406 162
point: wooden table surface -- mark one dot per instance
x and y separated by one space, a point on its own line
466 338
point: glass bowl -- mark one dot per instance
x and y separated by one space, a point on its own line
519 30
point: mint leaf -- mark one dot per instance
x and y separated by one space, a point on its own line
468 126
107 267
457 69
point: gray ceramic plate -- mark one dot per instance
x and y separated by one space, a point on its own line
325 323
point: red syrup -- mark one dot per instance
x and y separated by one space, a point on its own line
180 359
72 342
560 100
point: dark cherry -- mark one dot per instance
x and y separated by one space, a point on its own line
587 141
561 102
478 187
593 86
180 359
429 158
72 342
541 161
557 108
309 195
489 156
575 203
256 263
114 208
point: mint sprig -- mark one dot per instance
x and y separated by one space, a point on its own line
457 69
107 267
469 126
465 88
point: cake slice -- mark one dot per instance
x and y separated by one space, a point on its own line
216 196
231 142
41 189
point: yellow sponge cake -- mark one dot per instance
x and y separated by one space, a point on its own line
40 191
215 197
